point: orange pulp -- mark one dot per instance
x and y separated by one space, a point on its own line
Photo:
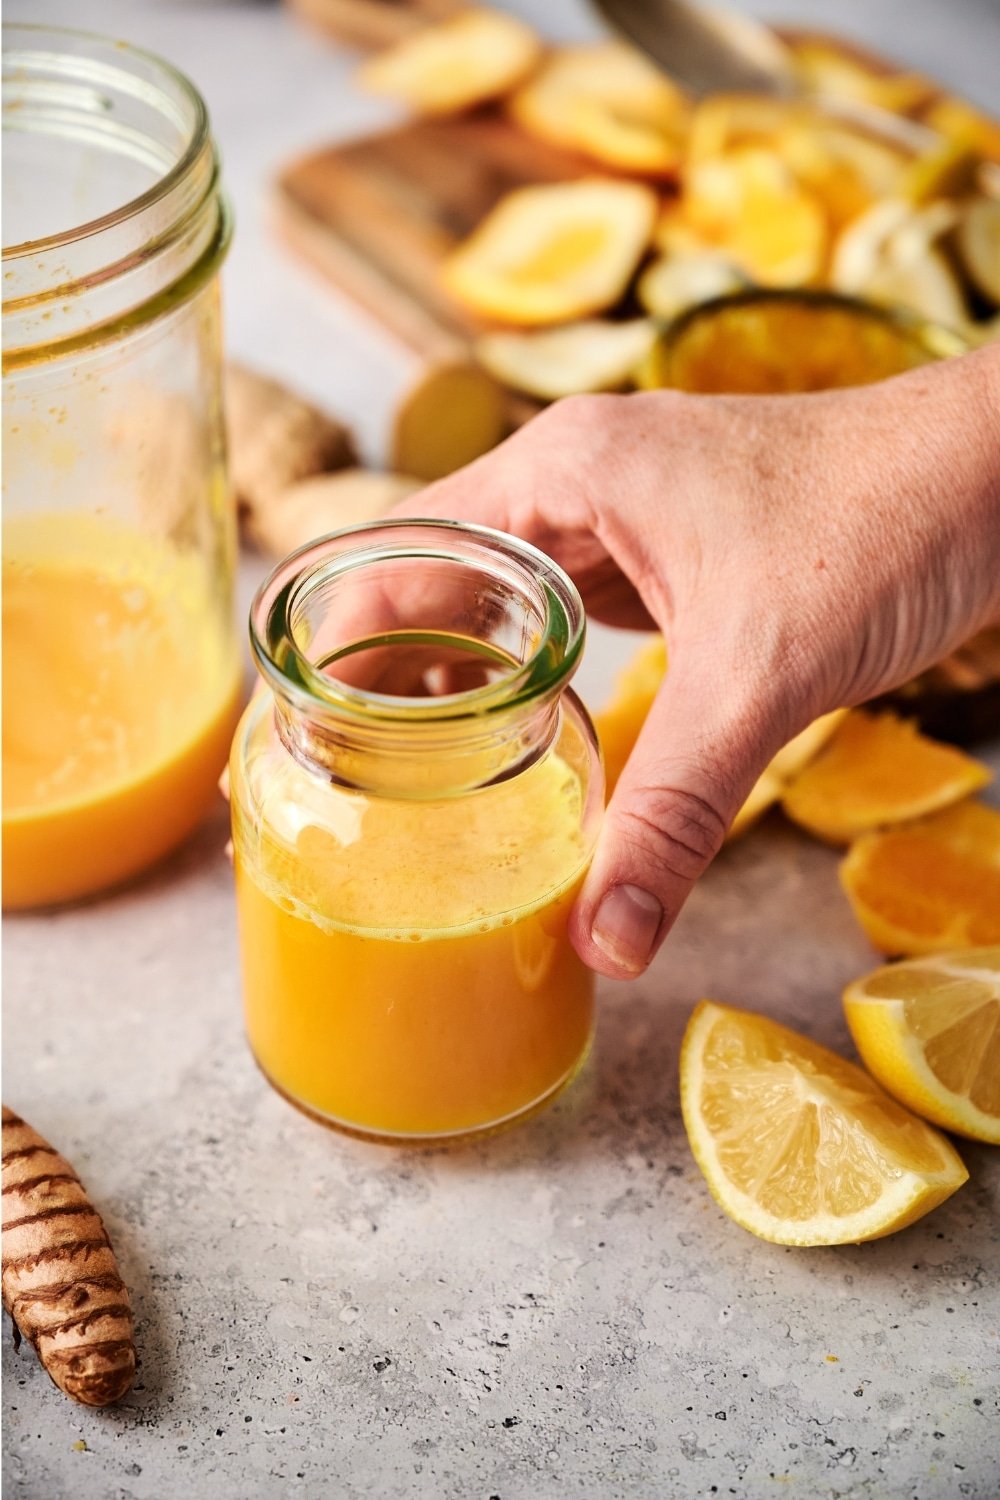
406 967
120 692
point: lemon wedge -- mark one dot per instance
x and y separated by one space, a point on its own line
929 1031
798 1145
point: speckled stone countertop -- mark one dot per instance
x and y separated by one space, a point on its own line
561 1310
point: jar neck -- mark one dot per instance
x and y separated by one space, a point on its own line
417 659
114 179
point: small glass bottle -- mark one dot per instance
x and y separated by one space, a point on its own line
415 803
121 665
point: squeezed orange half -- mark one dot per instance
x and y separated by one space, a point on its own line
120 694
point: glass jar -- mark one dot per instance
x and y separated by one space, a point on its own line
120 659
415 803
777 341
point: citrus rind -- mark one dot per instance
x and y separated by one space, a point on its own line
456 63
552 253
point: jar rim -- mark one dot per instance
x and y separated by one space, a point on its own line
931 336
545 670
199 137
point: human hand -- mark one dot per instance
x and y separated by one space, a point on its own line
798 554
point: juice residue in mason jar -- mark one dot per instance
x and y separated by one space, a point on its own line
406 964
120 691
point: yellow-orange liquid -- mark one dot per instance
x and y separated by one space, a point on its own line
406 968
120 692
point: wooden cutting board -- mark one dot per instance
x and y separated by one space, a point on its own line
378 216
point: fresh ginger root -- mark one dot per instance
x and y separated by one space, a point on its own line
276 439
328 502
60 1278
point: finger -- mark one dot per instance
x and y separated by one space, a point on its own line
535 486
692 768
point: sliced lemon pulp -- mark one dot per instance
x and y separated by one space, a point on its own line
931 885
798 1145
929 1031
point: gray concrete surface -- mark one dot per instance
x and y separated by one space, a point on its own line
561 1311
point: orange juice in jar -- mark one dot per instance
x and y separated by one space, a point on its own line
415 802
121 666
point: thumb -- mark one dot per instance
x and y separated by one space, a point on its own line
692 767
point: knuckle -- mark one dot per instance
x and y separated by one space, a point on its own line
675 833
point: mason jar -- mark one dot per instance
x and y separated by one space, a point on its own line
416 797
120 660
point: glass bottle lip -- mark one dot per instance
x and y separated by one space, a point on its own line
547 666
199 136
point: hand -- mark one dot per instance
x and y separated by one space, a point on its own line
799 553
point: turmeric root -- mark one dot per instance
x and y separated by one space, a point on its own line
275 439
60 1278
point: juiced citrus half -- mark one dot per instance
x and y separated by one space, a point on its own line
550 253
878 770
459 62
931 885
610 102
595 355
749 204
929 1031
798 1145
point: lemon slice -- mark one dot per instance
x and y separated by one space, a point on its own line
568 361
877 771
551 253
459 62
929 1031
609 102
798 1145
